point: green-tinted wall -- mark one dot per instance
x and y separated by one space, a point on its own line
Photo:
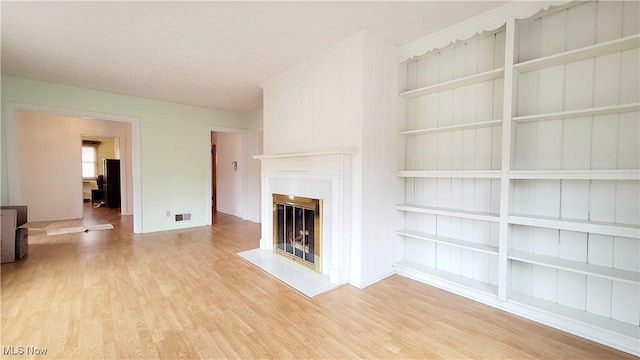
174 145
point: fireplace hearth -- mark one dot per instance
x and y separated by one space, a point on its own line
297 229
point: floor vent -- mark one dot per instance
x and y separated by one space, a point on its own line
183 217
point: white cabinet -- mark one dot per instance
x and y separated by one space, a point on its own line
522 168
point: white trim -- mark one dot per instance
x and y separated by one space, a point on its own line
13 181
489 21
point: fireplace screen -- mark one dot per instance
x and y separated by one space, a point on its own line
296 229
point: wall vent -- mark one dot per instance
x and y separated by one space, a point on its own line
183 217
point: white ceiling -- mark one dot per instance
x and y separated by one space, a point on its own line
210 54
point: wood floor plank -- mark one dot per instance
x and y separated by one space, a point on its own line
186 294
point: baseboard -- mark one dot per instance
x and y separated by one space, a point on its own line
228 212
372 279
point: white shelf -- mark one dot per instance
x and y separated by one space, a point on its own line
488 249
475 125
632 277
469 80
602 110
474 215
594 227
408 266
576 175
566 312
455 174
608 47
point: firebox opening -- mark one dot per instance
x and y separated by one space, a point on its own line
297 229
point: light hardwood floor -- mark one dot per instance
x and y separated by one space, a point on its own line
186 294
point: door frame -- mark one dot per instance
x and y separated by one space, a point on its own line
13 175
214 177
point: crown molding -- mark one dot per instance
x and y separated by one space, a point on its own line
486 22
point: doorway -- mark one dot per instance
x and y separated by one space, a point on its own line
25 184
213 176
101 172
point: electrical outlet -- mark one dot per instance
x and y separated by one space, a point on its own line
168 213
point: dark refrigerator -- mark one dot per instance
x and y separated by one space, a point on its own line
111 171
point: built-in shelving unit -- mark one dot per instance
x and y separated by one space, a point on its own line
453 151
521 150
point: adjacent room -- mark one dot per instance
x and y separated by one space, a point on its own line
362 179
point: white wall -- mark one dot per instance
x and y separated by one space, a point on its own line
49 162
229 148
345 98
379 142
253 140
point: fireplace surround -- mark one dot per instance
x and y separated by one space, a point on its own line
325 176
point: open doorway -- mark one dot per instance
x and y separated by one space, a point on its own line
214 175
43 155
48 149
227 173
101 185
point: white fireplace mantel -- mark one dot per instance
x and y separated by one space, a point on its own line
324 175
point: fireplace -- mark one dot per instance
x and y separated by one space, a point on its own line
297 229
